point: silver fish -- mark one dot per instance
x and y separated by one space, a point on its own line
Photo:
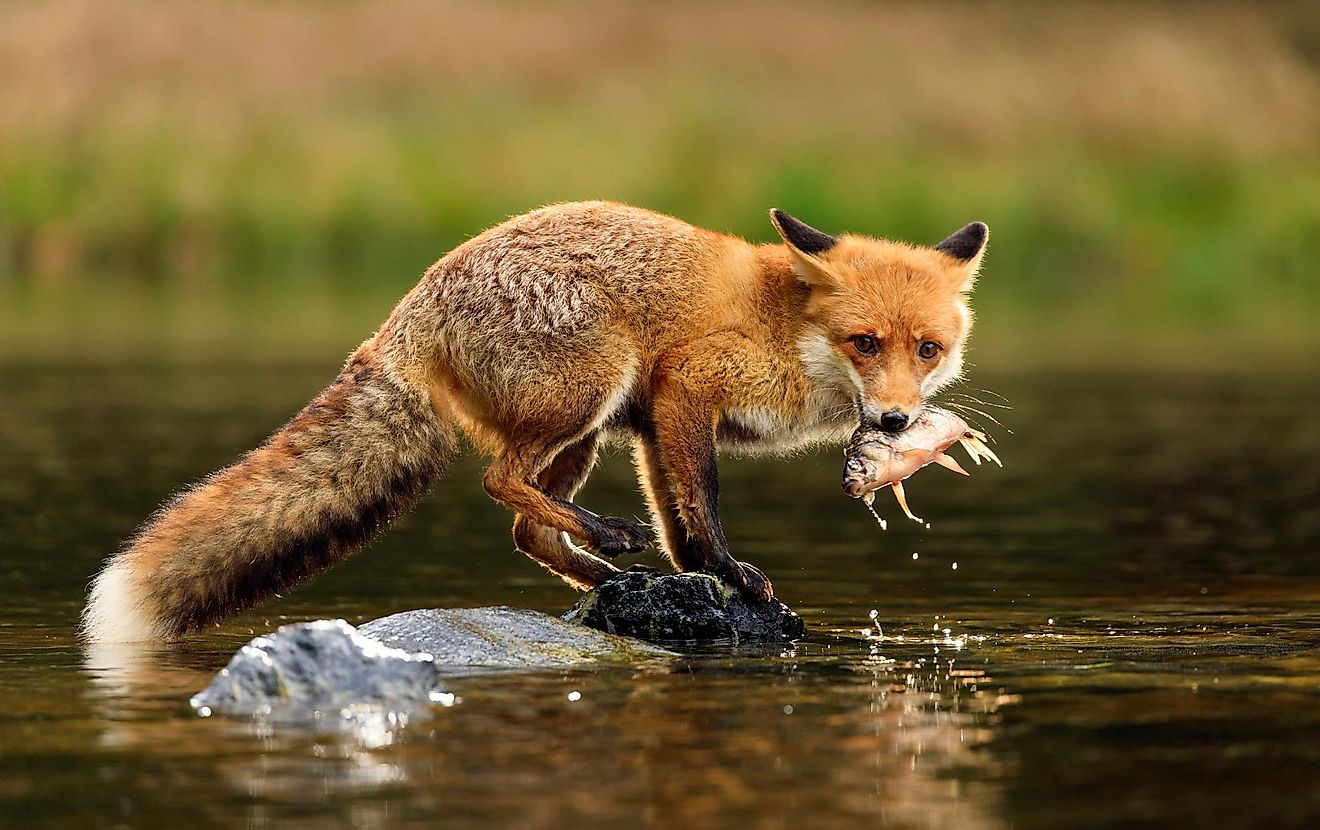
876 459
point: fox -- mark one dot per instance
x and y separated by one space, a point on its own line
538 340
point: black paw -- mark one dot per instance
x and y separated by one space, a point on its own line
615 537
749 579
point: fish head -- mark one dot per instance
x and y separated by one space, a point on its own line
876 459
873 467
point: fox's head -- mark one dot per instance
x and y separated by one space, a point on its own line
885 320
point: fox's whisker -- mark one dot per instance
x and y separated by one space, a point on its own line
996 394
977 400
969 408
964 408
960 387
971 421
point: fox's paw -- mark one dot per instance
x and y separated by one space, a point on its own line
615 536
749 579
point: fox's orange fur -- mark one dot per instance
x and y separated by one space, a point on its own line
540 338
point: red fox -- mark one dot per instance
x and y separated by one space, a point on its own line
538 339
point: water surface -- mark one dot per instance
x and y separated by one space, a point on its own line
1130 635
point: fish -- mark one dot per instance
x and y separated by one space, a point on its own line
875 459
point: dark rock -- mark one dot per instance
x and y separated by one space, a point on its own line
683 607
503 637
319 665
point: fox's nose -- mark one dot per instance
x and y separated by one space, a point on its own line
893 421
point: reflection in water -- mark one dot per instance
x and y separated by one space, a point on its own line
1130 634
898 737
121 672
308 760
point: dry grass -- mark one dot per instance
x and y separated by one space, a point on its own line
1231 78
1158 159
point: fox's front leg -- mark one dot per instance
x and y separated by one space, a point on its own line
681 451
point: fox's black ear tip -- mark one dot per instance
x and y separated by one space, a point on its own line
967 242
799 234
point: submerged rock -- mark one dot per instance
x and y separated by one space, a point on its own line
683 607
319 665
396 663
504 637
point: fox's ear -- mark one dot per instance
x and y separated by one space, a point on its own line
967 246
808 246
801 236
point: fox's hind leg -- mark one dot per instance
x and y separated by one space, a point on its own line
513 480
530 405
551 547
529 449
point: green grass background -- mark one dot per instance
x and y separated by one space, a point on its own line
269 178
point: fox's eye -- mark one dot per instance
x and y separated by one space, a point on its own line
928 350
865 344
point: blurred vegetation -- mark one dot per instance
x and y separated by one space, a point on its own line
277 174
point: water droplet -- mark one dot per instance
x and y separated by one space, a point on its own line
915 555
874 613
443 698
574 696
883 524
788 708
1050 621
955 566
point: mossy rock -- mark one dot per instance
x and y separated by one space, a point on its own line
684 607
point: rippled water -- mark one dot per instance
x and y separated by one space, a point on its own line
1130 636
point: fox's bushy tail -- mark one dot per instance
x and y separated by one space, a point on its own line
363 451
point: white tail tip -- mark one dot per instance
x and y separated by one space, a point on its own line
116 609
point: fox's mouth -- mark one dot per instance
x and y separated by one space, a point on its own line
893 422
